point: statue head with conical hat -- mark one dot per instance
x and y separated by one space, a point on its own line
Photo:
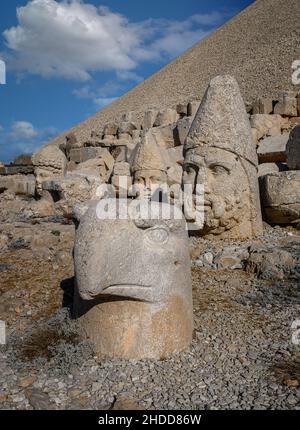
220 155
148 166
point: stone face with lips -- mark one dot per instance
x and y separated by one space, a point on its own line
133 284
220 155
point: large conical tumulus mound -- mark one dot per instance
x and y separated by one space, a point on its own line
257 47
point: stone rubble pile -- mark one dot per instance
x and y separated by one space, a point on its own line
59 177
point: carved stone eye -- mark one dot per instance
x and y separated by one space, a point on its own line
219 170
157 235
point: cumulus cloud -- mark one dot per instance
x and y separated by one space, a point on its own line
73 39
22 137
23 130
70 39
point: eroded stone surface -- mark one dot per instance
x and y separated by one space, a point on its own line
280 196
133 285
220 154
293 149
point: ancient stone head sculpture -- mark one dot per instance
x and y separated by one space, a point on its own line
148 166
220 155
143 259
48 162
133 284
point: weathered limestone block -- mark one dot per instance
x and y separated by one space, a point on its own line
17 170
166 117
81 155
263 106
48 162
280 196
121 178
287 105
102 166
21 165
149 119
166 136
182 109
266 168
126 128
193 107
120 150
266 125
110 129
221 156
231 258
175 155
122 169
18 184
182 129
73 188
273 149
22 160
293 149
269 262
133 295
95 139
71 143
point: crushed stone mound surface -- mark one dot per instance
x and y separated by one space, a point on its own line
258 47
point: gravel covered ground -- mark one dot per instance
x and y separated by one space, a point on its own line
242 356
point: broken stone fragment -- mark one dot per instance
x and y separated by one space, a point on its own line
182 129
263 106
167 117
287 105
182 109
18 184
166 136
74 187
280 197
272 149
126 128
266 125
149 119
110 129
293 149
266 168
193 107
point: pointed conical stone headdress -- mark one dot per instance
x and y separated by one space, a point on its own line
222 121
148 155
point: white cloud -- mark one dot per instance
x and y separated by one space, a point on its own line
70 39
73 39
23 130
23 138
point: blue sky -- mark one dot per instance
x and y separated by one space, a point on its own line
68 59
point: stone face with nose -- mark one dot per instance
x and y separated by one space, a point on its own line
149 167
220 155
133 283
